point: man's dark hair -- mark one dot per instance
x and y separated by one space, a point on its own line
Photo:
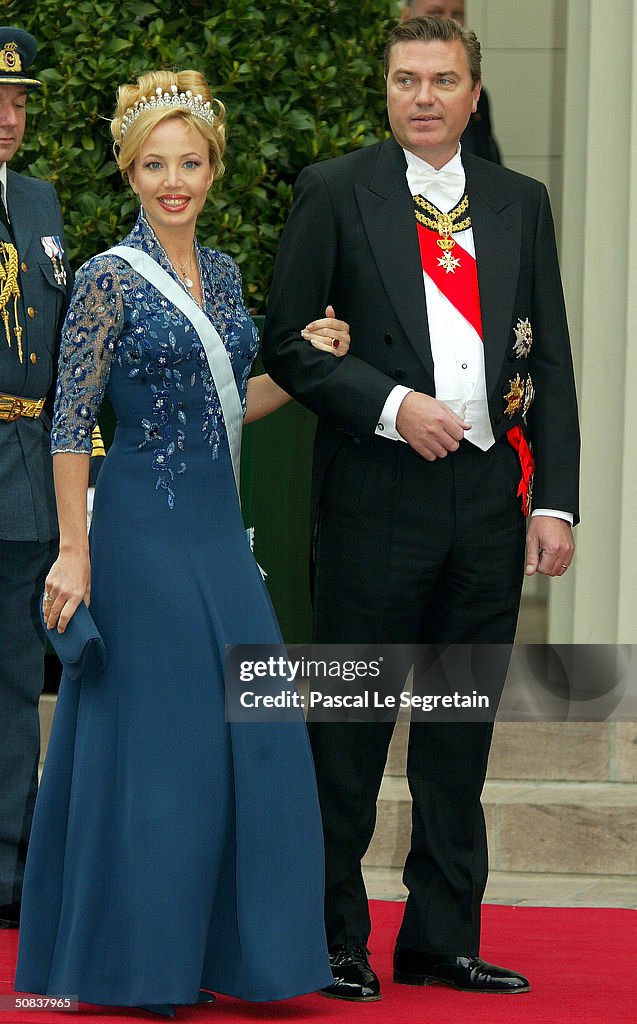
427 30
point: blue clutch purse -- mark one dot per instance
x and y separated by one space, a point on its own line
80 647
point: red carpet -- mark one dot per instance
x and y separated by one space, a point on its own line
581 964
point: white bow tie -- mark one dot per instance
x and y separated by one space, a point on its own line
442 188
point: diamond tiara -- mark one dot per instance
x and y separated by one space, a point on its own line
174 100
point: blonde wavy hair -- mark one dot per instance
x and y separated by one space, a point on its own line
126 147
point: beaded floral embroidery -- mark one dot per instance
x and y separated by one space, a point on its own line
118 322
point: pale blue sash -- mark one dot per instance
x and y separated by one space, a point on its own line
216 354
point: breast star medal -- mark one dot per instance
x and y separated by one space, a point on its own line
523 338
515 397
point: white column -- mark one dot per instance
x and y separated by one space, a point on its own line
594 603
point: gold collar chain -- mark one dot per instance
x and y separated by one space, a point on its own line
444 223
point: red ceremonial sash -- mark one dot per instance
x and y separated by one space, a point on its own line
454 271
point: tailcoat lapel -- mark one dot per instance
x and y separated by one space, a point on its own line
497 231
387 213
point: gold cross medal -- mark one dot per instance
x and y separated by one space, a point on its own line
55 251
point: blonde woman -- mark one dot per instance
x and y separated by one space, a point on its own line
172 852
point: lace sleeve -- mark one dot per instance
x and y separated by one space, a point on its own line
89 337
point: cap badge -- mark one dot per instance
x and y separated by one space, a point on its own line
10 58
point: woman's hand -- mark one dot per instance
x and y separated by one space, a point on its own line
328 333
68 583
264 396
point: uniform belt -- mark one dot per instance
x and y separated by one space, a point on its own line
12 407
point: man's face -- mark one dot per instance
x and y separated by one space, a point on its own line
430 97
453 9
13 118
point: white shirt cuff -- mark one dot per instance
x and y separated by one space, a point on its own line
567 516
386 426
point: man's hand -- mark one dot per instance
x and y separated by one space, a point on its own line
429 426
549 546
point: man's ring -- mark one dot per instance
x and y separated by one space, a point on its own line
564 566
47 597
335 342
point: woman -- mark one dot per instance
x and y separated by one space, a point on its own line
171 851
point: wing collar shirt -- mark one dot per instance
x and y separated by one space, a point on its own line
456 347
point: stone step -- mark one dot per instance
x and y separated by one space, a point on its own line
559 751
525 888
539 817
582 828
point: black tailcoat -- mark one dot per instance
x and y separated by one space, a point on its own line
351 240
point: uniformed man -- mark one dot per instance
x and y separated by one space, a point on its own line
35 285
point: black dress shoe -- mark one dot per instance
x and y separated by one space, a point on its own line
353 977
10 915
466 973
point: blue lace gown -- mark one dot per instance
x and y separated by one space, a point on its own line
170 850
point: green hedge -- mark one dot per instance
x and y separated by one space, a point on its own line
301 81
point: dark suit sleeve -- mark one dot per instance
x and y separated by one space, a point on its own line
552 419
307 276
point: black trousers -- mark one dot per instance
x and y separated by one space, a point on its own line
23 568
414 552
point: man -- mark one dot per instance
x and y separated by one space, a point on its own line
422 468
477 137
35 283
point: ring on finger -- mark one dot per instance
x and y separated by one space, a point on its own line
47 597
335 342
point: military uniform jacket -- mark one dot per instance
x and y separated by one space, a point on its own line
27 499
351 240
